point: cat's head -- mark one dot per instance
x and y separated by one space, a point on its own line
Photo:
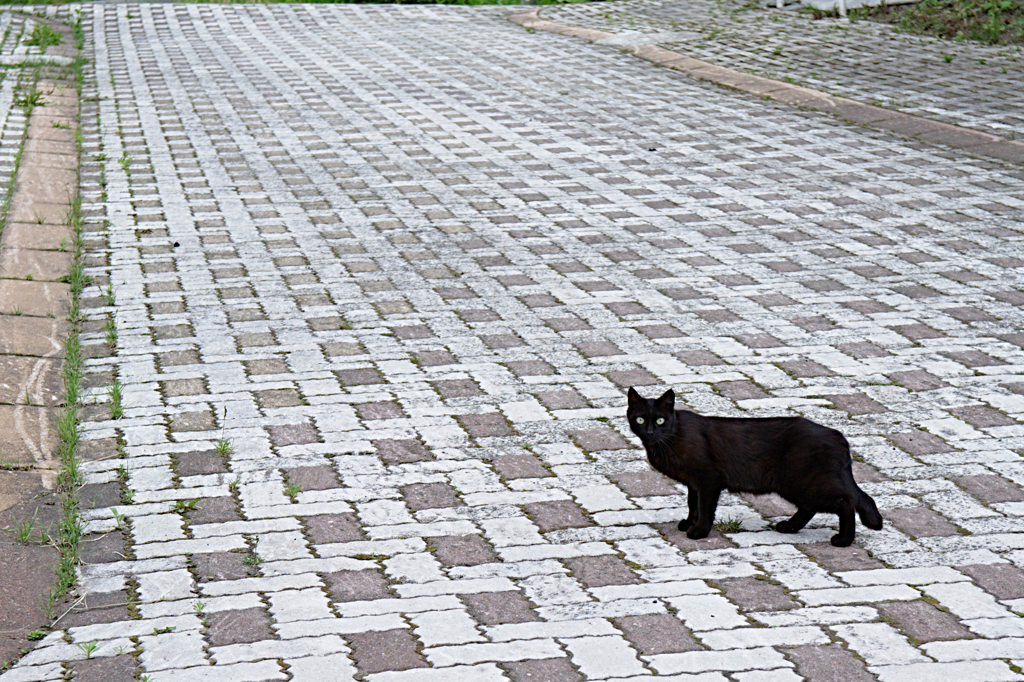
651 419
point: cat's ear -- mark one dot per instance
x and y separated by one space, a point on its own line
634 397
667 400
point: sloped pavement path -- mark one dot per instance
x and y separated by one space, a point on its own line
962 83
35 260
383 275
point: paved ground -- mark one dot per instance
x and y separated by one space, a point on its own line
382 277
966 84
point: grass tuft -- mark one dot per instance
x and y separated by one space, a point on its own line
994 22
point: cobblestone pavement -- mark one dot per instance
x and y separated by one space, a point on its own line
382 276
962 83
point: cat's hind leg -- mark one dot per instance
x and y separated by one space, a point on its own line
796 522
847 525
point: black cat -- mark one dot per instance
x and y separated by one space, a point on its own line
806 463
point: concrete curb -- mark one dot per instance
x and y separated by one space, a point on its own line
848 110
36 252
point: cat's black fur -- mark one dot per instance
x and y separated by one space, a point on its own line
805 463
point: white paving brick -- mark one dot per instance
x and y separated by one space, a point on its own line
966 600
308 604
700 661
749 638
879 644
445 627
468 654
603 657
707 612
975 671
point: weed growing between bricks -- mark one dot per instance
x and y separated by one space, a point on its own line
69 479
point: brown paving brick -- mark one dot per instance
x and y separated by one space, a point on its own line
292 434
500 341
105 669
99 495
435 358
329 528
599 438
199 462
496 608
805 368
982 417
922 621
920 522
333 349
542 670
919 442
865 473
659 331
855 403
379 410
917 380
258 367
430 496
457 388
376 652
1004 581
567 399
657 633
530 368
277 397
851 558
991 488
193 421
633 377
486 425
462 550
102 549
862 349
556 514
479 315
714 540
598 571
830 663
917 332
238 627
593 349
358 377
510 467
216 566
401 451
366 585
751 594
98 607
322 477
214 510
740 390
568 324
645 484
699 358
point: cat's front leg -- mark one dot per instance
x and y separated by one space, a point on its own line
691 502
707 502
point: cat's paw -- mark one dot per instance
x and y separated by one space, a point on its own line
696 533
685 525
839 541
785 527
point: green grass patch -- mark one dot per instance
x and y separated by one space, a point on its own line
43 36
994 22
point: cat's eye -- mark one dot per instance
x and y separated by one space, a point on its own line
661 420
639 420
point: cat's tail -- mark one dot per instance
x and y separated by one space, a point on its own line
867 511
